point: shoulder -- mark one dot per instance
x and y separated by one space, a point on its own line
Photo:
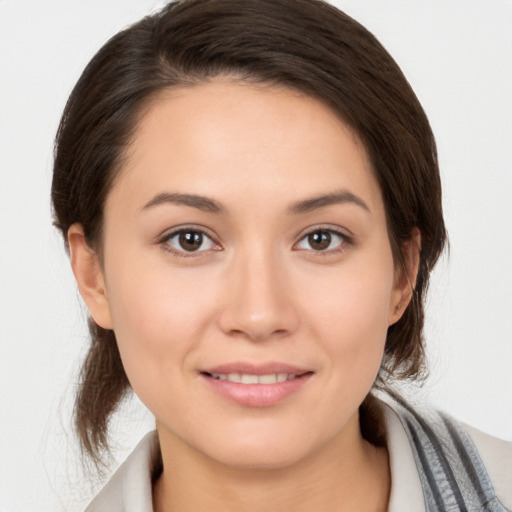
457 465
130 488
496 456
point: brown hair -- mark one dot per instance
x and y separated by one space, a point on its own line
307 45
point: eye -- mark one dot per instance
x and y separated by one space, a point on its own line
322 240
188 241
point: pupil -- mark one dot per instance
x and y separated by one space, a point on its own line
191 240
319 240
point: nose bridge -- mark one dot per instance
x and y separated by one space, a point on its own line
260 300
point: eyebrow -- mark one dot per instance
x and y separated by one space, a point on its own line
210 205
341 197
200 202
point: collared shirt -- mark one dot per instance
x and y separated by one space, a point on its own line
412 469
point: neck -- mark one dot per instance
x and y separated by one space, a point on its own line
345 474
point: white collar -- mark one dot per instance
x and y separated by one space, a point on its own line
130 489
406 490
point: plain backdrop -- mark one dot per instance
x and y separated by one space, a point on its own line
457 55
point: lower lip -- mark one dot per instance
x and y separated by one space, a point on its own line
257 395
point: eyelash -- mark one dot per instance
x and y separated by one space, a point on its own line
164 241
344 242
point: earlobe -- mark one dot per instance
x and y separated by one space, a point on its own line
406 279
89 276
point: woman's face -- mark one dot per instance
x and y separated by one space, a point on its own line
245 240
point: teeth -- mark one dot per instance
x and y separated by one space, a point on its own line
246 378
249 379
267 379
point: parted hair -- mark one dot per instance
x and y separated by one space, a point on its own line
306 45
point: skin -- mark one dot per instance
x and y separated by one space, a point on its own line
257 290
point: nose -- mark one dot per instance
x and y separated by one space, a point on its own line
259 300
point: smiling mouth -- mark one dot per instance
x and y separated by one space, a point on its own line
264 387
247 378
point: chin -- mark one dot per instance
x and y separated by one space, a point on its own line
263 450
260 458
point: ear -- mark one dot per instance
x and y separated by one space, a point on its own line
405 280
89 276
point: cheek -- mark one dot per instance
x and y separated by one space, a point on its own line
159 315
156 323
351 317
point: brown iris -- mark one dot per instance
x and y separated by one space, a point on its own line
190 240
319 240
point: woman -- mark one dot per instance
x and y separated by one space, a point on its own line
250 194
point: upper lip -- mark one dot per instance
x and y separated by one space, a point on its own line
256 368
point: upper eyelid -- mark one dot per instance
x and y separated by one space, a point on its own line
164 242
170 232
345 233
167 235
347 240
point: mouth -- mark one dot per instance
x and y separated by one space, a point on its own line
249 378
252 386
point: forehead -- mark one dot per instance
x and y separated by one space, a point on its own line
239 140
